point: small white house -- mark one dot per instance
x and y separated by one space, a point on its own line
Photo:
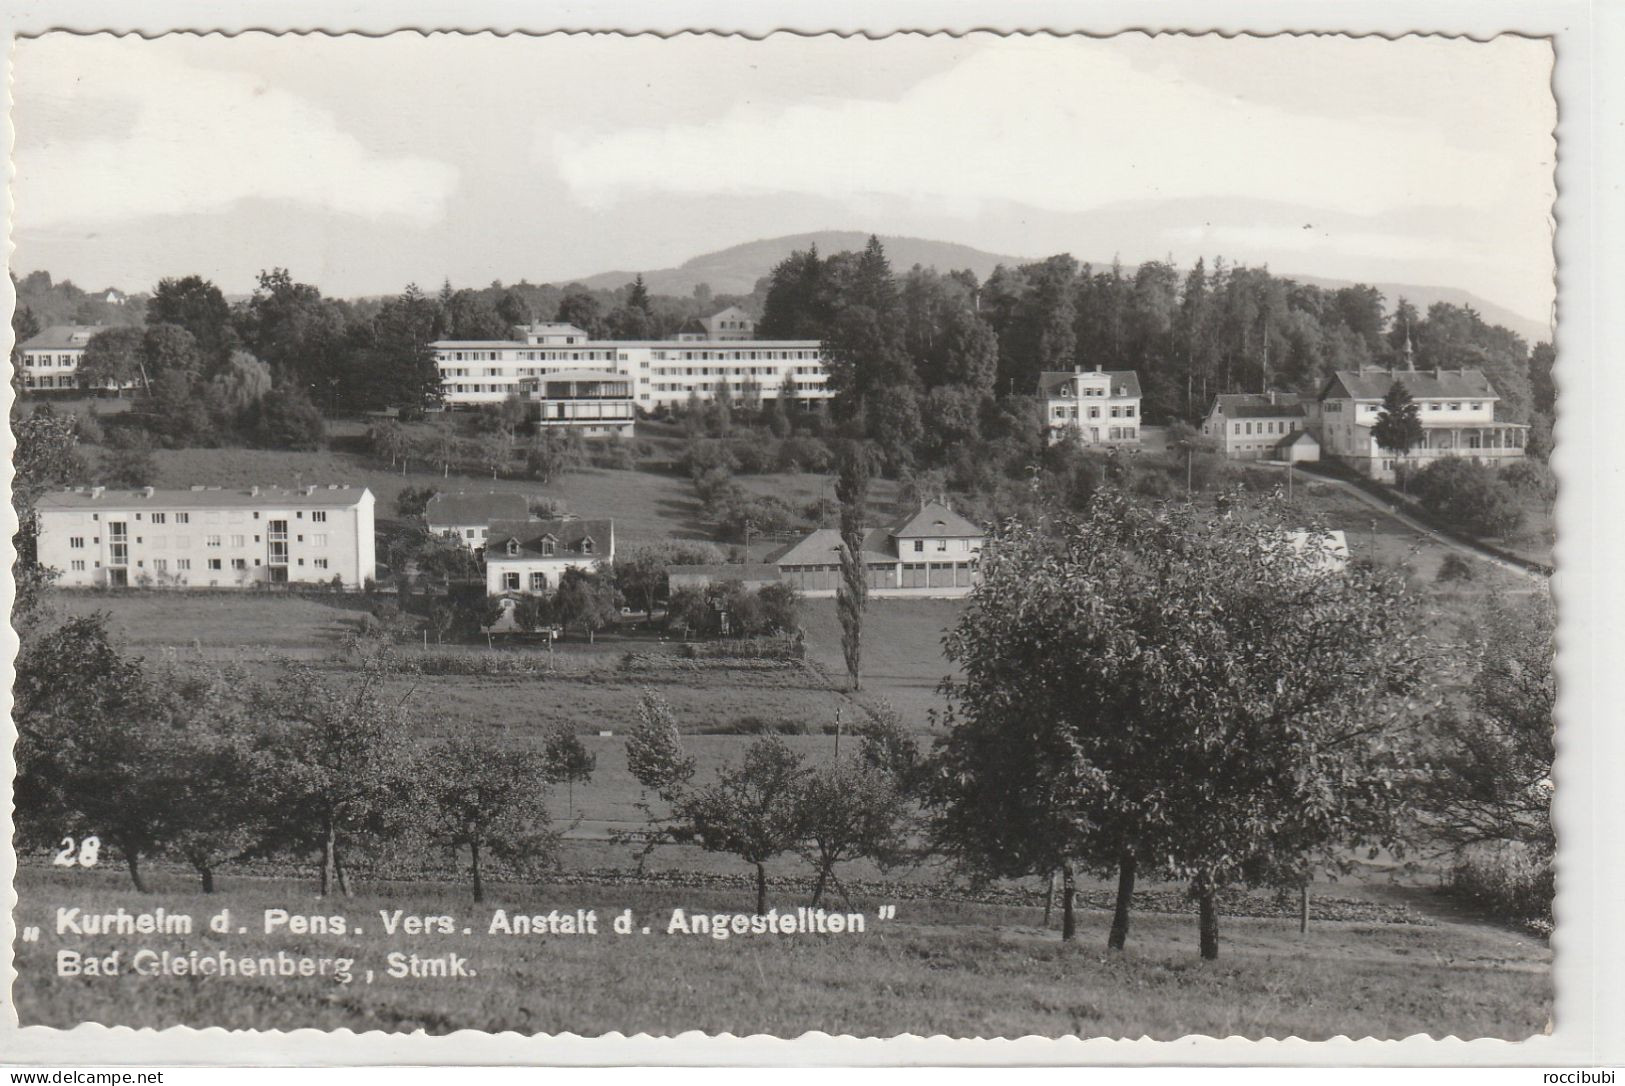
531 556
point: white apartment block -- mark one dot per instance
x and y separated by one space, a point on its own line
1092 407
50 360
662 373
208 537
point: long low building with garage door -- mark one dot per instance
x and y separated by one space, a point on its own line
932 552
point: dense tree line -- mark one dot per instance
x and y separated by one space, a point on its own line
925 363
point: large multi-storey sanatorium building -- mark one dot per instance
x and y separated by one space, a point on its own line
208 537
569 379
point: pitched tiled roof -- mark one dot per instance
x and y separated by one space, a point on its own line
820 547
449 510
1255 405
1124 382
59 337
1421 384
936 519
1297 437
567 535
204 497
727 571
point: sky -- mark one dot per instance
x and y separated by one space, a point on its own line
362 164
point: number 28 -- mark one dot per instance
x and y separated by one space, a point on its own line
89 848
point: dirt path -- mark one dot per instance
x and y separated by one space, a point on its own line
1423 530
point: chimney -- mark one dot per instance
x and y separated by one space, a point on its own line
146 492
1078 368
97 491
1097 367
253 492
1272 397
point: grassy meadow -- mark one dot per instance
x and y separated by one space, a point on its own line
961 967
962 970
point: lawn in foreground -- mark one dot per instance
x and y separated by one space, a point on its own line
961 971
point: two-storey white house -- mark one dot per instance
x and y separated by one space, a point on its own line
467 517
530 556
934 551
1261 426
208 537
1093 407
728 323
656 373
50 361
1457 409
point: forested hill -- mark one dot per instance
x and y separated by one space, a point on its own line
736 270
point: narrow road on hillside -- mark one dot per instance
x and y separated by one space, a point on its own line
1423 530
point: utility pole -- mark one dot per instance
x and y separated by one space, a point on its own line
837 734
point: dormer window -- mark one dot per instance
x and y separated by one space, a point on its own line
513 548
547 546
586 546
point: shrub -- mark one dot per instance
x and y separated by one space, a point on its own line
1455 568
705 456
1470 496
1531 477
755 454
612 453
821 512
808 454
1508 880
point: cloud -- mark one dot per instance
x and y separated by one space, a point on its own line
1067 126
189 139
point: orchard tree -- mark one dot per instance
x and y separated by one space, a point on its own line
753 809
337 758
567 759
484 800
1491 757
1157 689
851 809
95 754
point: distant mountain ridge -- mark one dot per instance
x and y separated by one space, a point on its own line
736 269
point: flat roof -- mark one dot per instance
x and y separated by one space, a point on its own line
203 497
614 344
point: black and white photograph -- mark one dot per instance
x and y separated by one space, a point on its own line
983 535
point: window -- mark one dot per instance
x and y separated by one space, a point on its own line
214 563
238 541
211 541
471 533
942 544
319 516
586 546
919 546
319 563
239 563
319 539
510 582
160 564
78 565
183 563
538 582
547 548
159 518
76 541
183 518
